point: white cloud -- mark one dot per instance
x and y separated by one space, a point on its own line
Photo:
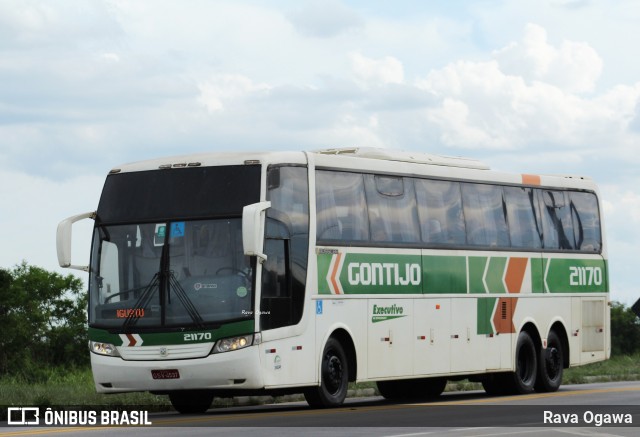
32 208
326 18
574 66
383 71
32 24
222 88
489 105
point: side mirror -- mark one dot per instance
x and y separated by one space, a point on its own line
63 240
253 229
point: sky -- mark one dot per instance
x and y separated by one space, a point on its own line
527 86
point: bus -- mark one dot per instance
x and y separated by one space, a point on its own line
230 274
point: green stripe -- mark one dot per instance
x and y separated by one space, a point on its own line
485 308
444 274
477 265
577 276
495 273
451 274
537 274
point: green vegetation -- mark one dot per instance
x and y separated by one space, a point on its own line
44 357
625 330
42 321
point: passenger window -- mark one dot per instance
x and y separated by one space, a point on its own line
440 211
341 207
524 230
556 221
393 216
586 221
484 214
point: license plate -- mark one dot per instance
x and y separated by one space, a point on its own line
165 374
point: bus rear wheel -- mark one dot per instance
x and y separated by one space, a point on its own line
334 378
523 380
191 402
550 365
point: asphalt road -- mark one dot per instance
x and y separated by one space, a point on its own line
575 409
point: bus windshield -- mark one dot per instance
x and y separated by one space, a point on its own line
170 274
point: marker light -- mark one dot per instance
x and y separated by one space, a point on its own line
232 343
100 348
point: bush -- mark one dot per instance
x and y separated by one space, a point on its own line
625 330
42 320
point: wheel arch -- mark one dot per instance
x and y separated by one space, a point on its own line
530 328
346 340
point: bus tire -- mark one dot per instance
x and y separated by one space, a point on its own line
334 378
191 402
523 380
550 365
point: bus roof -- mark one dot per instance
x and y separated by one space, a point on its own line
365 159
413 157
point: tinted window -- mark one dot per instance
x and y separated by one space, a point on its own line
392 209
556 220
586 221
440 210
286 246
341 206
523 225
199 192
484 214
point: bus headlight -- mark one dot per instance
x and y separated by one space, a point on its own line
232 343
100 348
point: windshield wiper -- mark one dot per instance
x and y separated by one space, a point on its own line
141 303
186 302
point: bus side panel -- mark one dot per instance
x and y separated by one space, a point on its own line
288 361
350 315
391 339
432 319
468 349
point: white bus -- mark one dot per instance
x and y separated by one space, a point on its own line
298 272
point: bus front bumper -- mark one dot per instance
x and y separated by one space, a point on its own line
238 369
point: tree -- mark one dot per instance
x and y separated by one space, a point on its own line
42 321
625 330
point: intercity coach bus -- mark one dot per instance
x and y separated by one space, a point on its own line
218 275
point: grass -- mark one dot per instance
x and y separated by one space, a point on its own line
68 388
75 387
618 368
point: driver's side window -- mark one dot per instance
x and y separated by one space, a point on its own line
286 245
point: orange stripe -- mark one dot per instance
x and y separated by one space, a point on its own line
334 274
132 340
514 277
531 179
503 316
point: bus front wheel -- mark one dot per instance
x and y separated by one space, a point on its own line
334 378
191 402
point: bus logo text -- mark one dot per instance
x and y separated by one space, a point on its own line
384 274
389 312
